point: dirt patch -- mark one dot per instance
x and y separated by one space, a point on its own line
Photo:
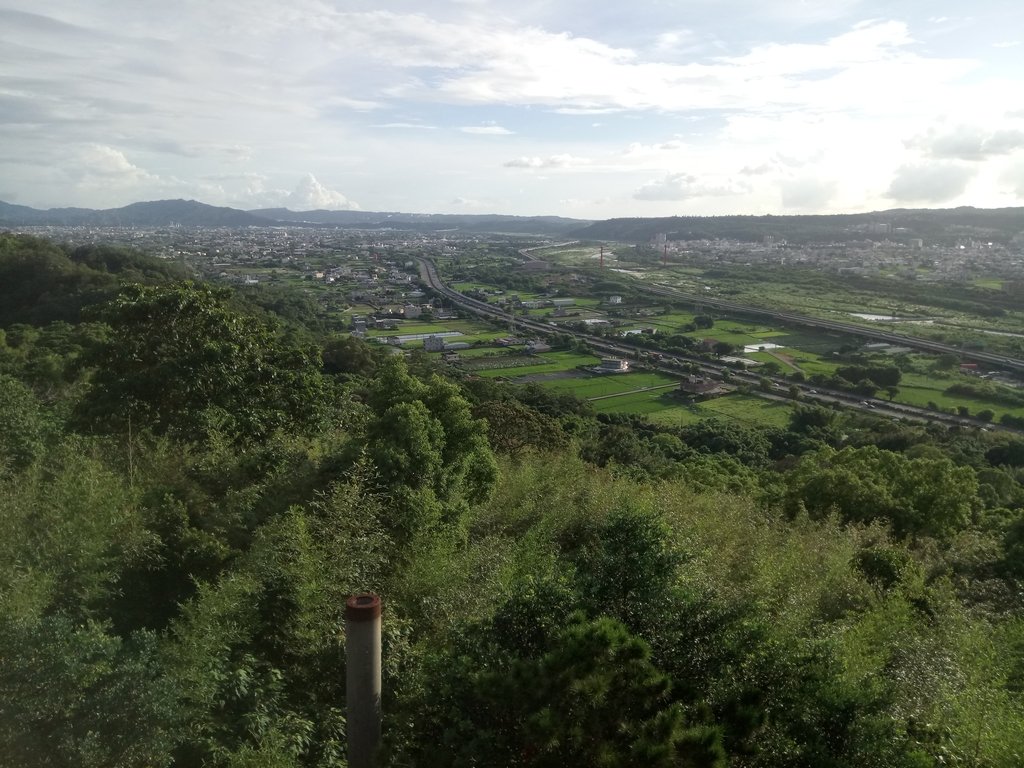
787 359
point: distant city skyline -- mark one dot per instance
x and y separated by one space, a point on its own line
651 108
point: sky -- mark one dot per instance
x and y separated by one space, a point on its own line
572 108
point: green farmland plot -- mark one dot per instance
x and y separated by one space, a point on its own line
809 362
553 362
920 390
496 353
661 408
641 403
739 334
780 358
469 336
667 324
604 385
748 409
990 283
468 286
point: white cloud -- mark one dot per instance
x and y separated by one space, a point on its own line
498 62
929 183
808 193
1013 178
552 161
681 186
467 202
778 103
674 39
310 194
419 126
111 164
639 149
969 143
486 130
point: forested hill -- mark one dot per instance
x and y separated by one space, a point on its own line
157 213
948 225
41 282
190 486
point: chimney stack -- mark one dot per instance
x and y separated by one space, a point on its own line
362 678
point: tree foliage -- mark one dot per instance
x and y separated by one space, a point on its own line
919 497
182 361
188 494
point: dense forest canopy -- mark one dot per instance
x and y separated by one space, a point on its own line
192 483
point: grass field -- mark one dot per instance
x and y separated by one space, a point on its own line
738 333
768 357
470 286
603 385
496 352
663 409
919 389
668 323
810 363
554 363
748 409
642 403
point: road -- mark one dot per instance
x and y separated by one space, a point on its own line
790 318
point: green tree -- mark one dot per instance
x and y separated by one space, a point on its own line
929 497
703 321
74 695
512 427
426 447
73 692
723 348
587 695
23 425
348 355
182 361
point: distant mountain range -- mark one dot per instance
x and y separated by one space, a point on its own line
189 213
900 224
160 213
939 225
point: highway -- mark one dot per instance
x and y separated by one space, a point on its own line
790 318
671 363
